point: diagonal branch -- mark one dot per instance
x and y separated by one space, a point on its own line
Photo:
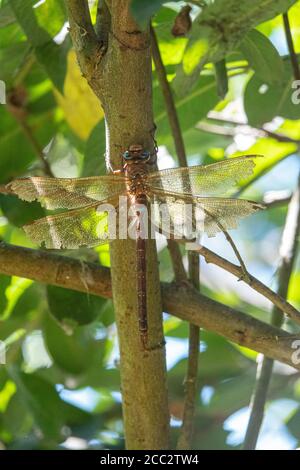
180 300
278 300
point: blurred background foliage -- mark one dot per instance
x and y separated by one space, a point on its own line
60 387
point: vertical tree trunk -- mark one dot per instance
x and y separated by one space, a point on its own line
121 78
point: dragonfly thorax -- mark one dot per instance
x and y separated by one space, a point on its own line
136 180
135 168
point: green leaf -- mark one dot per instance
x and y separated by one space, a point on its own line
75 352
143 10
19 212
264 101
218 29
4 283
262 56
221 78
171 49
13 51
94 155
73 308
191 108
40 25
54 59
14 162
273 152
293 424
7 16
42 401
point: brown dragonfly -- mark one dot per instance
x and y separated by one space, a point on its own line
87 221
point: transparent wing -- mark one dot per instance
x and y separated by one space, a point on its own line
68 193
205 180
189 216
90 226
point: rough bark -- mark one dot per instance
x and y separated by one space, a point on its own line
117 65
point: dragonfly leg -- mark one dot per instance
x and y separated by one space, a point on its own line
146 347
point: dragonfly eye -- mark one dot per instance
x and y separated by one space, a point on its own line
127 155
145 155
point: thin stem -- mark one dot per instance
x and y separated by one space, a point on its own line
288 252
36 146
290 43
194 270
270 203
169 100
176 258
258 401
243 127
276 299
191 381
27 131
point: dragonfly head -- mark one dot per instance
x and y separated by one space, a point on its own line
136 154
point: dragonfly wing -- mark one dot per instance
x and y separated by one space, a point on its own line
68 193
86 227
205 180
189 216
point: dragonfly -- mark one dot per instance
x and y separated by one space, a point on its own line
86 224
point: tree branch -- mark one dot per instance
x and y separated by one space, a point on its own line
257 285
181 300
103 21
191 380
169 101
89 49
288 251
185 438
290 43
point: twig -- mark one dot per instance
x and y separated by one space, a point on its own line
20 116
185 438
176 257
169 101
288 252
238 126
182 301
290 43
276 299
258 401
36 146
191 381
275 199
